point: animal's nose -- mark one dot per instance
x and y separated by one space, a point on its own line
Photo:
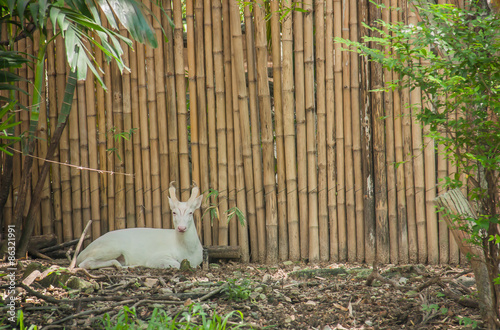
181 229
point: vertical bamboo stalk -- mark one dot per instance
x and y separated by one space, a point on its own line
220 104
348 156
182 115
276 229
262 224
399 158
356 136
289 137
109 225
173 140
118 154
76 180
379 150
136 141
319 21
242 114
193 101
418 163
163 132
300 117
145 139
330 134
390 156
95 211
128 147
54 101
208 149
339 130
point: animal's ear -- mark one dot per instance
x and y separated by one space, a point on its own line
173 203
197 202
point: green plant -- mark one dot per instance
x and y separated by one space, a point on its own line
213 209
452 57
468 322
238 289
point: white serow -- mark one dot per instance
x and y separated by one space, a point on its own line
148 247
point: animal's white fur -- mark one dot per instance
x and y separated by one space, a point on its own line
148 247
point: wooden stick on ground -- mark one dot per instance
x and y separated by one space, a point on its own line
78 247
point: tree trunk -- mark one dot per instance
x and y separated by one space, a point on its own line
455 203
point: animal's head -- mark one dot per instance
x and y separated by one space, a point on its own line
183 211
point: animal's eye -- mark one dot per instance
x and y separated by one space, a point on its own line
174 213
190 213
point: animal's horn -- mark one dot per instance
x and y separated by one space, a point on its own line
194 192
171 190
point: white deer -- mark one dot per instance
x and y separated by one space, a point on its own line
148 247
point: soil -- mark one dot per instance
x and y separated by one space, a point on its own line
285 296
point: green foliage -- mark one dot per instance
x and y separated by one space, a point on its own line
213 209
238 290
467 322
195 317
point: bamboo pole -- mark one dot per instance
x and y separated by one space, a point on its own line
76 180
367 145
356 137
390 155
145 138
339 130
408 167
109 224
208 149
348 155
242 115
418 163
403 256
276 229
255 143
95 210
233 180
119 150
330 134
173 140
220 104
319 21
289 138
54 100
163 132
154 142
300 117
182 115
140 217
127 165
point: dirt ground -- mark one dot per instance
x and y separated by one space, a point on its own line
285 296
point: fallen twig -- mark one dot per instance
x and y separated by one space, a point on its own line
93 311
79 245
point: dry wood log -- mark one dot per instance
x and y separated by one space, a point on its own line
41 241
223 252
61 246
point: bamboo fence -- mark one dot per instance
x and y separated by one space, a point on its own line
271 114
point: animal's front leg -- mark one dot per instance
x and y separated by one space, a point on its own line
163 262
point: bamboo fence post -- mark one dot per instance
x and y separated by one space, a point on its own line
319 20
390 155
403 256
312 174
235 180
262 222
55 99
17 157
379 151
153 109
300 117
367 145
289 138
356 136
454 247
118 153
173 140
182 115
212 176
276 229
32 49
136 140
220 104
163 132
418 163
330 134
76 180
193 100
95 210
339 130
145 139
242 115
348 155
108 127
205 90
